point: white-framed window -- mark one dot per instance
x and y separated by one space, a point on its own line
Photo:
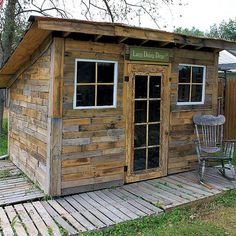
95 84
191 84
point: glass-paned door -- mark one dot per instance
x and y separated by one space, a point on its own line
147 119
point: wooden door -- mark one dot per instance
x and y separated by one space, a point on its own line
147 125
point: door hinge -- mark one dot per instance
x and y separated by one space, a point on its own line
126 78
125 168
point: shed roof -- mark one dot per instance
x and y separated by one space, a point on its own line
41 27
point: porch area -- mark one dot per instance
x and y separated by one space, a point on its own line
21 214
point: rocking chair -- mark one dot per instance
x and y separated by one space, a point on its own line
210 145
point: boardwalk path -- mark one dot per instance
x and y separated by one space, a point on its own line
103 208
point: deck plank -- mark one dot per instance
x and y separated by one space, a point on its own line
70 229
15 221
5 224
38 221
47 218
87 214
26 220
64 213
77 215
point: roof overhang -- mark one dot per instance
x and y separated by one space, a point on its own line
41 27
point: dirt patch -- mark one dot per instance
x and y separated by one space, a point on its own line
224 217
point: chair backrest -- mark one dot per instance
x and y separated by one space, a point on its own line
209 130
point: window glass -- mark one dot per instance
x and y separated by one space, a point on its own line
104 95
85 96
197 74
105 72
85 72
191 84
140 86
95 84
184 74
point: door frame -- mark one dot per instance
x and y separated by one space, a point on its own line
132 69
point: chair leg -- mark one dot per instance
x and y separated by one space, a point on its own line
223 168
202 170
231 167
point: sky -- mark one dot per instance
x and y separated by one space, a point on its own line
202 13
198 13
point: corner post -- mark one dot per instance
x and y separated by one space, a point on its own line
55 118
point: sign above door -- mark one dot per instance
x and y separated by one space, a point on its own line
148 54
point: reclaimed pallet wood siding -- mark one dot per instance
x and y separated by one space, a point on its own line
93 140
182 154
28 119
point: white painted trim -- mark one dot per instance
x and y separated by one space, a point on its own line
114 89
203 86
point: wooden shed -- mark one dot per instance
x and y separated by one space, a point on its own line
94 105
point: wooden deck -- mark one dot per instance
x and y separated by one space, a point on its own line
99 209
15 186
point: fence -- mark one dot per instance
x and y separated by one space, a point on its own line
230 108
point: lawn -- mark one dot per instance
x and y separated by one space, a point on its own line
3 139
210 219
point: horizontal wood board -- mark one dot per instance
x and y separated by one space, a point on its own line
28 119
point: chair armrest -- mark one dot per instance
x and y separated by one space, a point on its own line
229 141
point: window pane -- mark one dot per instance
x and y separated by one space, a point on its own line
140 111
140 86
184 74
85 96
153 134
105 72
105 95
85 72
153 157
196 95
140 135
139 159
154 111
155 87
197 74
183 93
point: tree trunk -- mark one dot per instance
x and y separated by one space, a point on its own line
7 44
2 99
9 29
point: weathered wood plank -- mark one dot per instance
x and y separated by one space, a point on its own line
15 221
5 224
26 220
38 221
53 213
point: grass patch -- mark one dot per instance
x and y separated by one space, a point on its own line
4 139
216 218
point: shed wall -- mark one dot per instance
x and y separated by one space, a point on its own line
28 114
93 140
182 154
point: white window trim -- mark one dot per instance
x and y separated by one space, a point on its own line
203 86
114 89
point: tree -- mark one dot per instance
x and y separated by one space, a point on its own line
15 12
193 31
225 30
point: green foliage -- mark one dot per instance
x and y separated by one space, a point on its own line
4 139
228 199
193 31
225 30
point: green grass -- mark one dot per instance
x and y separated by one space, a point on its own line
210 219
3 139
